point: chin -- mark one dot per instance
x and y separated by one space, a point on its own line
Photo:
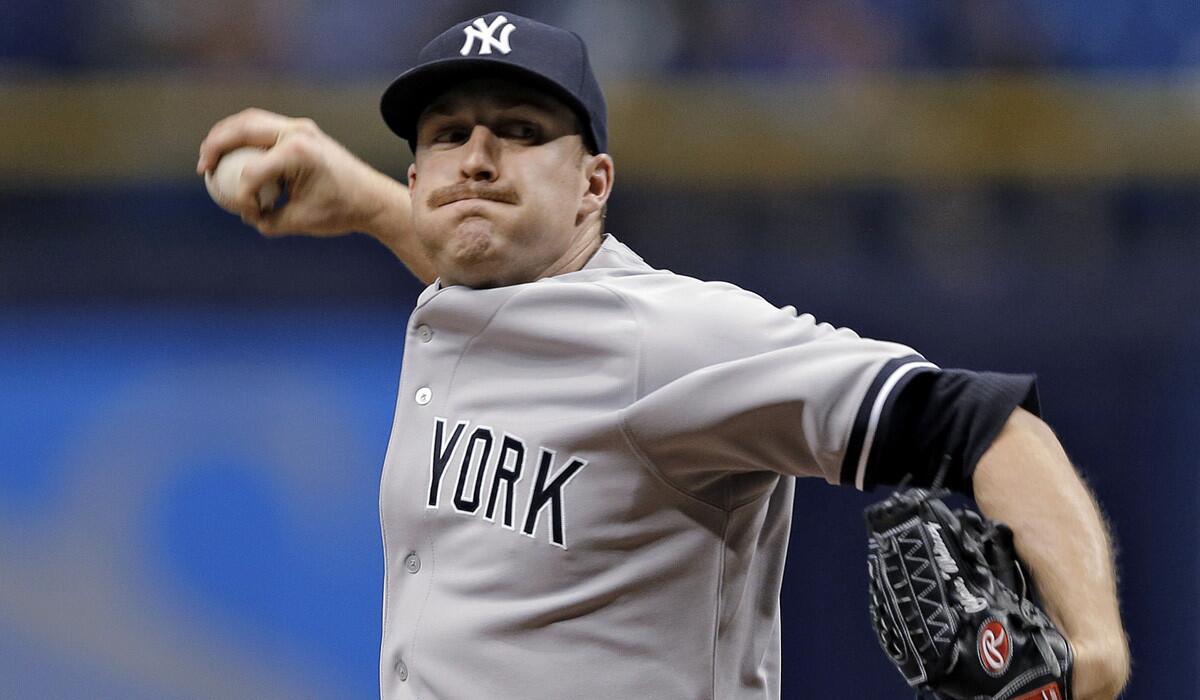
470 254
474 241
477 253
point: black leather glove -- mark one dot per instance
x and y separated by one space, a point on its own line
950 605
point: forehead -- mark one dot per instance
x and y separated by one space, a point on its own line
494 93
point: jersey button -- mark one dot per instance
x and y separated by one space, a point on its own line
401 670
425 333
424 395
412 563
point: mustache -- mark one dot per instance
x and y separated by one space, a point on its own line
468 190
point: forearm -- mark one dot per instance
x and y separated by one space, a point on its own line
1026 481
331 192
389 221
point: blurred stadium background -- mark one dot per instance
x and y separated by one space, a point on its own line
193 418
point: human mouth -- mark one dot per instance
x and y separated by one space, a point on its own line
463 193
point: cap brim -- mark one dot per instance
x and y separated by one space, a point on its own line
409 94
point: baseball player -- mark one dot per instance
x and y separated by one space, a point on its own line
588 487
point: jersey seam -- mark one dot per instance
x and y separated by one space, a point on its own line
382 480
716 634
759 496
412 656
658 474
651 467
640 345
623 423
482 329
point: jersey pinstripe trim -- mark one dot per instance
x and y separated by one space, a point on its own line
888 381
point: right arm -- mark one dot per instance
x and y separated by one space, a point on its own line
331 192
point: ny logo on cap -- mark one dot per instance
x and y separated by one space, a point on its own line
486 34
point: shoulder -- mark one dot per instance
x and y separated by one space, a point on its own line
656 294
685 324
677 324
695 306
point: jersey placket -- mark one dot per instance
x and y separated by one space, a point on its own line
439 331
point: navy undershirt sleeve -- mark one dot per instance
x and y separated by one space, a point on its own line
942 422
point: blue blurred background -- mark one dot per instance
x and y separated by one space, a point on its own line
194 418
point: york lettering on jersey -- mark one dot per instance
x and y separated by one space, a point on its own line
491 464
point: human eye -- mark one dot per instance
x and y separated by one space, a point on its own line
521 130
450 134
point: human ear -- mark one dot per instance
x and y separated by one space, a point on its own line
412 174
599 172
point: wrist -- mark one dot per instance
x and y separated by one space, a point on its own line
382 208
1101 667
387 210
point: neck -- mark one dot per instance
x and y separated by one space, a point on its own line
576 256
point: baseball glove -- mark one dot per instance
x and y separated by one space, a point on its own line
950 606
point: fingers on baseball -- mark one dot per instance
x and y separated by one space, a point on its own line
275 223
249 127
267 222
292 147
280 167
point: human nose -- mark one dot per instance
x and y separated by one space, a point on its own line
479 159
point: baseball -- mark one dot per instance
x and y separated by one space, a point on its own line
222 181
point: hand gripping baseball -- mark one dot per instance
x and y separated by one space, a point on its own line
329 190
949 604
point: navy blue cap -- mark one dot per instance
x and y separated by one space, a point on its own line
505 45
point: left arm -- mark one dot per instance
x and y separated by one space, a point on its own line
1026 481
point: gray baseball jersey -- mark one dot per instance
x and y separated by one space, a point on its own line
587 492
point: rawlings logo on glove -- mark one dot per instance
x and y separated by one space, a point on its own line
949 605
993 648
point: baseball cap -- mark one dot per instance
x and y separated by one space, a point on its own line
502 45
